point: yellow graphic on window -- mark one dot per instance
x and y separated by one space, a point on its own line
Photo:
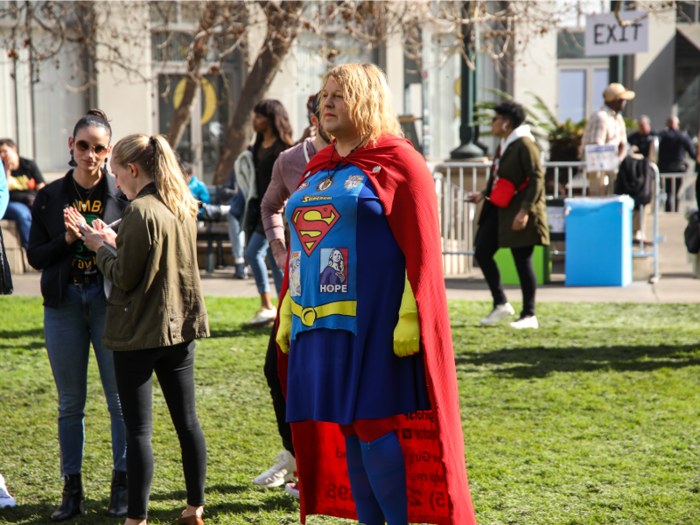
209 94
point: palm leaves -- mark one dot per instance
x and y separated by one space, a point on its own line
543 124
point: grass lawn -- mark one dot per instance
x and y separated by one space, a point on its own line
592 419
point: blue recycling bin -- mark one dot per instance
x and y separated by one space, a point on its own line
599 241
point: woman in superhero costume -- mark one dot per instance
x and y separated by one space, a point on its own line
370 368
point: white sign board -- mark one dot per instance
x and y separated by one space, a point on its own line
556 220
601 158
605 36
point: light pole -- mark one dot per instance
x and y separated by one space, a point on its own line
468 132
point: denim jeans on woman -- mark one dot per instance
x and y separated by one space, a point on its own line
255 253
237 237
69 329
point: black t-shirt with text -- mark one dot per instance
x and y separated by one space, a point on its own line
90 203
24 180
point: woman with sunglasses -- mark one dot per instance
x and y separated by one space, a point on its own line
74 302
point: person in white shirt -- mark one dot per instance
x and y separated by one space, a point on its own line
606 126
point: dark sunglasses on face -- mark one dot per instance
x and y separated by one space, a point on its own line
84 146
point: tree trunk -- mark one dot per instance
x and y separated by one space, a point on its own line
176 129
282 28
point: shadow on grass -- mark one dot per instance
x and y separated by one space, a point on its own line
40 513
532 362
15 334
34 345
241 331
182 495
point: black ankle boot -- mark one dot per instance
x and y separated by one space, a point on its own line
73 500
117 497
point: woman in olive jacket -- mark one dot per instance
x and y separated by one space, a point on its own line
519 226
155 311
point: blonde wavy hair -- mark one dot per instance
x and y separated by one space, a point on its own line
155 156
366 92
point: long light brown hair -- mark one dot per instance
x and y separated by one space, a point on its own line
156 158
366 92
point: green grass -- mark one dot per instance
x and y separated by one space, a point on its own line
593 419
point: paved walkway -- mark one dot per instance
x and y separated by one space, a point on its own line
677 284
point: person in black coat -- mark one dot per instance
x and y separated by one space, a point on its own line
74 303
641 139
673 145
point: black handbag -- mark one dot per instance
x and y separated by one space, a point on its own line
6 287
692 233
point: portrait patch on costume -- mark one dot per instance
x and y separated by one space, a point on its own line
312 224
324 184
303 186
295 274
353 181
334 270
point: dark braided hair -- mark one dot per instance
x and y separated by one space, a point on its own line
93 118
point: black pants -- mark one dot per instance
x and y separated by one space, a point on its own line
671 196
278 401
486 248
174 366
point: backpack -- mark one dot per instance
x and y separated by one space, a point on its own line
692 233
635 178
5 273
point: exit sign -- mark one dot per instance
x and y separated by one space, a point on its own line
605 36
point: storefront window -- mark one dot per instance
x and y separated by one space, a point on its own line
204 133
56 110
572 94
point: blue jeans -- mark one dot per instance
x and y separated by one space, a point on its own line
257 249
237 237
22 215
69 329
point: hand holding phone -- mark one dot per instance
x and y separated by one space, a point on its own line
475 197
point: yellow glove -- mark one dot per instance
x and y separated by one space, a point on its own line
284 330
407 331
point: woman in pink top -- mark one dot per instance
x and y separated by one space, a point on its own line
286 174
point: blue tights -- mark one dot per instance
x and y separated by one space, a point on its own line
377 472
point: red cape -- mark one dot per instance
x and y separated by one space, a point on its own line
432 441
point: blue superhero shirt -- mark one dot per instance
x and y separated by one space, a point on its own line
322 214
346 280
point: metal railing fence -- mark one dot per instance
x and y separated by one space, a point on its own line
673 192
454 181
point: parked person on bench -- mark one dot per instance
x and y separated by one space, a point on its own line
197 188
24 180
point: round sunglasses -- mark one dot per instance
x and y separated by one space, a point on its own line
84 145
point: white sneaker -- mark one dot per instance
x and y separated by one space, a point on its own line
281 472
6 501
292 488
500 312
264 317
525 322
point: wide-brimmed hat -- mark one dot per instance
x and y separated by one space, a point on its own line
617 91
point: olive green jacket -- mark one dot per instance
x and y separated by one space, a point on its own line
156 298
520 160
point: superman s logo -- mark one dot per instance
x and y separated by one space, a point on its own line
312 223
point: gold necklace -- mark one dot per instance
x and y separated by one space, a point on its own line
77 191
